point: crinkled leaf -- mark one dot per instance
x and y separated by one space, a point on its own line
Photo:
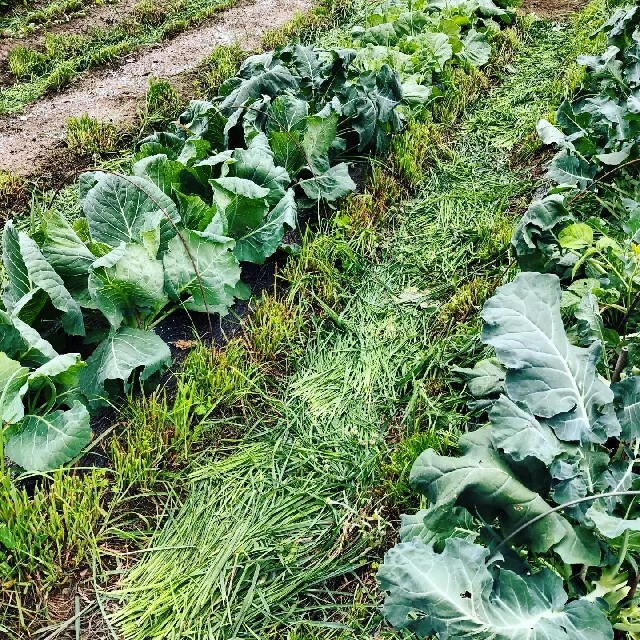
477 49
242 203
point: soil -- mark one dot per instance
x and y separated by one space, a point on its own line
33 143
558 9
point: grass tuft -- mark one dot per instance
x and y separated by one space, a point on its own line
222 63
162 103
87 135
25 63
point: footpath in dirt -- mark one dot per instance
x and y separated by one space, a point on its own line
32 141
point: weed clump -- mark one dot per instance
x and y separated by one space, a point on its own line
87 135
221 64
12 191
25 63
162 102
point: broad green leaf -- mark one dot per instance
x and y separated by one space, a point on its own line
119 209
548 375
611 526
476 49
204 268
331 185
118 356
13 385
319 134
42 275
263 241
256 165
481 479
29 274
63 369
130 287
628 399
34 348
576 236
64 249
433 50
242 203
549 134
485 379
521 435
454 594
287 113
43 443
161 171
571 170
288 151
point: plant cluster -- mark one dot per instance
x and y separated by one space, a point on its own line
533 531
218 189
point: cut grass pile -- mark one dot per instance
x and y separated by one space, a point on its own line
321 449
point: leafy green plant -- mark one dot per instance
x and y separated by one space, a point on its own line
523 498
532 531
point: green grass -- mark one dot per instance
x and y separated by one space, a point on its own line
297 500
87 135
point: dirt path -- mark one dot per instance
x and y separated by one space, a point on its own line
32 143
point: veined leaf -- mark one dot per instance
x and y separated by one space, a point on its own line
259 243
119 209
546 373
455 595
42 443
129 287
13 385
628 396
480 479
242 203
203 267
116 358
331 185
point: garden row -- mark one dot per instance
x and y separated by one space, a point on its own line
534 531
216 191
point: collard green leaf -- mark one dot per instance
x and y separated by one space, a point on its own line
13 385
64 249
161 171
42 443
611 526
118 209
242 204
485 379
128 287
455 594
204 268
477 49
480 479
331 185
256 164
263 241
320 132
628 400
571 170
118 356
521 435
547 374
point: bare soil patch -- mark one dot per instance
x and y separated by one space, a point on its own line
553 9
29 143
